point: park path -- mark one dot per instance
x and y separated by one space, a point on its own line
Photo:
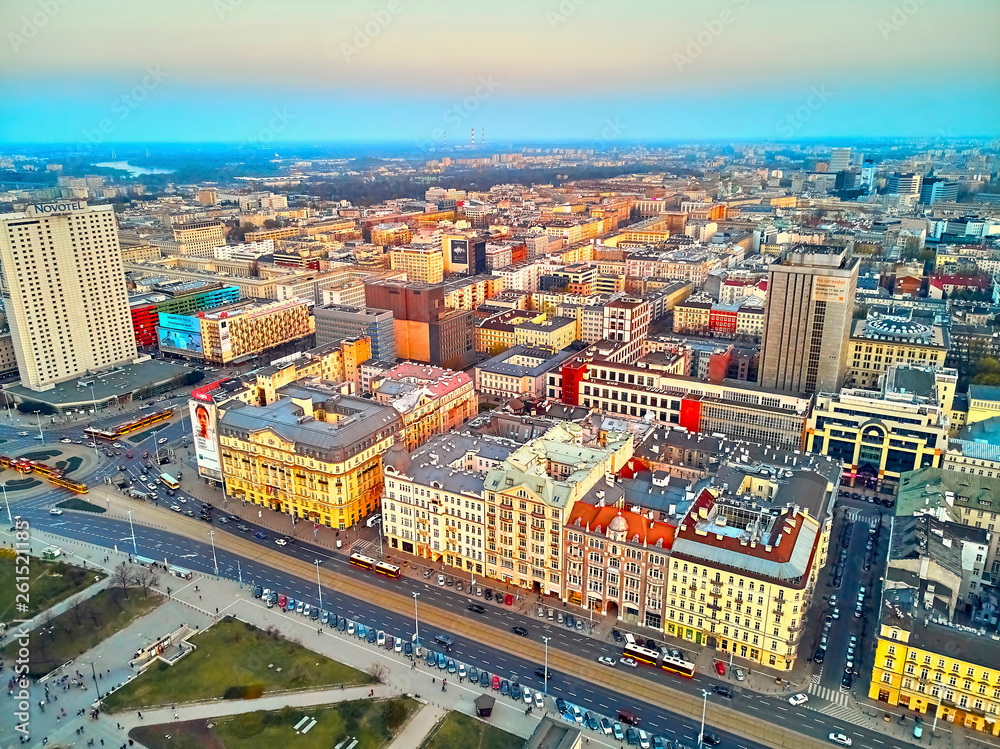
418 728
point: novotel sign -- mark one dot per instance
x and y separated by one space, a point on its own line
48 209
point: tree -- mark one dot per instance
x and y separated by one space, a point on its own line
378 672
123 577
146 579
74 610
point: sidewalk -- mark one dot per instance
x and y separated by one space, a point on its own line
418 728
111 658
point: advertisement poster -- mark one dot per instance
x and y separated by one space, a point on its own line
826 289
205 442
179 340
460 252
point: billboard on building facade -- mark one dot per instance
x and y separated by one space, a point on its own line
205 439
460 252
179 340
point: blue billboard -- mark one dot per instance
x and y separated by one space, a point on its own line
179 340
189 323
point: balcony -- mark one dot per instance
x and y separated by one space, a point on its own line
715 593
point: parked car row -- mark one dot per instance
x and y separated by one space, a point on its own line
625 728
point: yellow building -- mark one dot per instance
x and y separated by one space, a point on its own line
472 292
201 237
693 316
886 339
237 331
555 333
881 434
420 263
314 454
746 559
391 235
339 361
984 403
922 662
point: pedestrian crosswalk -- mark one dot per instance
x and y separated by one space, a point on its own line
836 696
843 712
855 514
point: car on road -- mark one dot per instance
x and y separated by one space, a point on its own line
161 441
280 541
604 660
710 739
847 680
627 716
260 535
22 434
819 655
723 691
630 662
720 668
840 739
541 673
175 508
519 631
55 511
476 608
242 528
798 699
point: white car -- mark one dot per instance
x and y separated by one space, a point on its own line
798 699
440 579
643 739
604 660
175 508
55 511
281 542
117 444
840 739
266 594
630 662
306 610
539 701
740 676
527 696
397 646
66 441
380 640
161 441
22 434
576 713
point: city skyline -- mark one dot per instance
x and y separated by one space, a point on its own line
398 72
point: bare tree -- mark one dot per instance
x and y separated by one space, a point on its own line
146 579
378 672
74 609
123 577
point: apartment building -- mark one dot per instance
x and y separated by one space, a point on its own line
237 332
420 263
314 454
430 400
200 238
746 559
334 322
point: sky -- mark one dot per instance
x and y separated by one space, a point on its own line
429 71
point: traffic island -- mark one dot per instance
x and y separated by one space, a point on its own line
233 660
362 724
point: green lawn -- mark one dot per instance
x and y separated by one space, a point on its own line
459 730
83 505
371 722
234 660
77 630
50 582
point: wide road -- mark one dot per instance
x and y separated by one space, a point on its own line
182 546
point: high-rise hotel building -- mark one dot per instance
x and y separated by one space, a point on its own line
64 291
807 319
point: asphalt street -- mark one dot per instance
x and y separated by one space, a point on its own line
197 555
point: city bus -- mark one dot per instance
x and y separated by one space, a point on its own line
389 570
167 480
360 560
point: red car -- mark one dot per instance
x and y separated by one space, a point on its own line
496 682
720 668
509 600
282 600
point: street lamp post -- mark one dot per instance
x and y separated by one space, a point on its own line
135 549
97 452
704 708
215 561
416 621
156 448
97 686
545 679
319 585
38 416
9 516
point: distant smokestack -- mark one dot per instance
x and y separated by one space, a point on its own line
473 136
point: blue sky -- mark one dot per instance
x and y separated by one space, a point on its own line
245 71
